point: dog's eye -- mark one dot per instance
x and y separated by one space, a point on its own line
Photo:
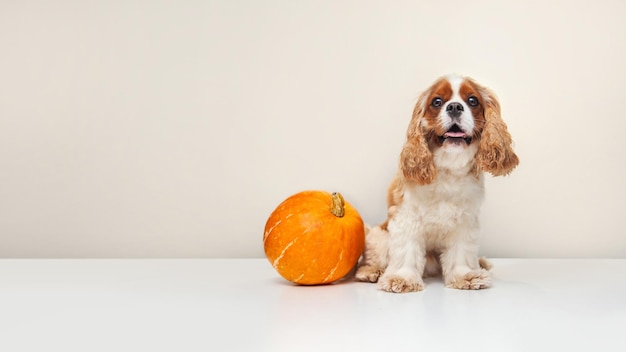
472 101
437 102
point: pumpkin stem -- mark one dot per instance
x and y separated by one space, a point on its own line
337 204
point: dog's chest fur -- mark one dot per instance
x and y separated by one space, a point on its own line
443 208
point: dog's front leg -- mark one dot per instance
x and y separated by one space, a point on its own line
406 259
460 263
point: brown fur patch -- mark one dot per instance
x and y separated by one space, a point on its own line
416 159
440 89
470 89
495 151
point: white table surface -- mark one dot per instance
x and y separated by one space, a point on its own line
243 305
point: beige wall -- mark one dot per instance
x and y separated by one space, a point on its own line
155 128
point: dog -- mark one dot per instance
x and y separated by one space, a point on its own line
432 228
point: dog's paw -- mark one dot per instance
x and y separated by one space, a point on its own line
368 273
473 280
400 284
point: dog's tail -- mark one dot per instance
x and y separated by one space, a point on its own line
484 263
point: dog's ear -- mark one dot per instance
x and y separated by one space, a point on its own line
495 151
416 158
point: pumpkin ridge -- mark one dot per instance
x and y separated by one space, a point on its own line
269 231
282 254
299 278
332 271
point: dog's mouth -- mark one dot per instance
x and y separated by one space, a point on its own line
456 135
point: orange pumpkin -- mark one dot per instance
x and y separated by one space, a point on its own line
314 237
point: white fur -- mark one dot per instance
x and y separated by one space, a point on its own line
440 219
466 119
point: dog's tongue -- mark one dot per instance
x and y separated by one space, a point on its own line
454 135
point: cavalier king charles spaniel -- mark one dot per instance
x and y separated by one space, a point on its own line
432 227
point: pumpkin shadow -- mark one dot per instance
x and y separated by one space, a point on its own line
344 281
347 279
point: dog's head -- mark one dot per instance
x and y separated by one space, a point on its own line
455 122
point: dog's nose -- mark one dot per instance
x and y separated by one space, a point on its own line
454 109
